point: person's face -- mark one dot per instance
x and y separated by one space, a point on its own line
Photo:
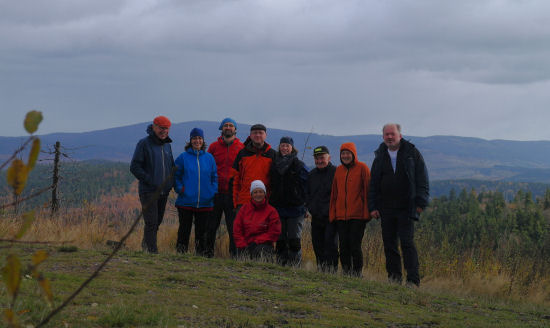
196 143
322 160
160 132
258 136
258 195
346 157
392 137
228 130
285 148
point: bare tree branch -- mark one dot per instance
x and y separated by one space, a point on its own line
17 202
20 149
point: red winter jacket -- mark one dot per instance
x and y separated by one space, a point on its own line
256 223
224 155
251 164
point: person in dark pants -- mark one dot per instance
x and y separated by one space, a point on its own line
224 150
288 177
348 207
324 235
196 183
399 193
152 164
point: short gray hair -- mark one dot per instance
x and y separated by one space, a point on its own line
397 125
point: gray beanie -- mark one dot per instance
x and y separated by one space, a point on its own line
257 184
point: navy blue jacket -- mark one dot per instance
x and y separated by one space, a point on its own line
417 176
152 163
196 180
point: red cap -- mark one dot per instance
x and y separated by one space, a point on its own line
162 121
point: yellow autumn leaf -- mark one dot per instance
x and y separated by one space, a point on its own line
17 176
11 274
39 257
32 120
33 155
28 219
46 288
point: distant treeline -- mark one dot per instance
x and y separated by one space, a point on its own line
79 182
88 180
509 189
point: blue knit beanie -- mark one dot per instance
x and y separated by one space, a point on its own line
228 120
196 132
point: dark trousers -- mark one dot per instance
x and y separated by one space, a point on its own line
324 237
350 236
184 230
396 225
153 213
223 204
262 252
289 244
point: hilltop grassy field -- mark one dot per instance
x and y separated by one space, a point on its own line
169 290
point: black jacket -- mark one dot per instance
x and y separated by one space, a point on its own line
288 177
417 175
318 188
152 163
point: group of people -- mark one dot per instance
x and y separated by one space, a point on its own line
265 194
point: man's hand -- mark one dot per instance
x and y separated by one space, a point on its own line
375 214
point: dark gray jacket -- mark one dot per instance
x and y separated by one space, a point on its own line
152 163
417 176
318 189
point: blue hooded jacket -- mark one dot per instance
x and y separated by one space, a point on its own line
152 163
196 179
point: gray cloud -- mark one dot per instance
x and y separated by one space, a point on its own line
476 68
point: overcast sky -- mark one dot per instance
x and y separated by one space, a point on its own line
475 68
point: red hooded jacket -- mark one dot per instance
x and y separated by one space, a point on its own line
348 199
256 223
225 155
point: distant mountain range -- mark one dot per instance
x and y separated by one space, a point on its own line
447 157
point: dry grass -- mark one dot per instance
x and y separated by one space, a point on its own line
92 225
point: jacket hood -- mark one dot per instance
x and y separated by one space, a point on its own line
152 134
221 141
259 205
404 145
250 146
350 146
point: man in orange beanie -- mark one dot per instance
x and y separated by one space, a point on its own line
152 165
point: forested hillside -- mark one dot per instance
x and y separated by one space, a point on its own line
87 180
79 182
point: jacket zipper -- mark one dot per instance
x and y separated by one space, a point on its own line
228 168
346 196
199 188
163 166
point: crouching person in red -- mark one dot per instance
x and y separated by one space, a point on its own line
257 226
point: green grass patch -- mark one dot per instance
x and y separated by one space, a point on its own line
141 290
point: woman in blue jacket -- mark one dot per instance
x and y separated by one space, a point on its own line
196 184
